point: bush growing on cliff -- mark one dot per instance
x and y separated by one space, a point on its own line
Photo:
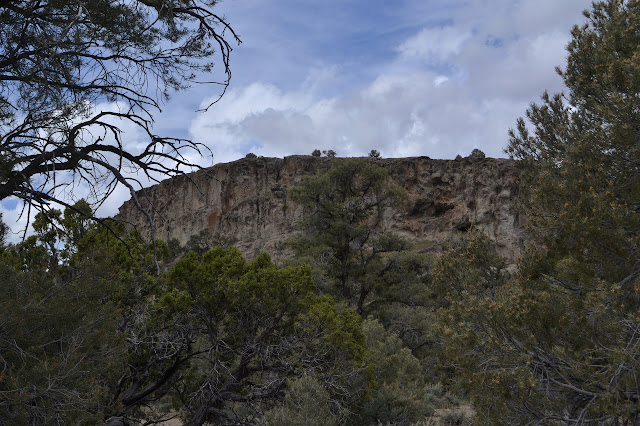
477 154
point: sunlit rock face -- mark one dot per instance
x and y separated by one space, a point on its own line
245 203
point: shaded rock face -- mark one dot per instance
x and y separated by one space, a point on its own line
245 203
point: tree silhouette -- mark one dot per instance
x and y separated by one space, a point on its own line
59 60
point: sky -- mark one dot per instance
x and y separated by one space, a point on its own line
434 78
408 78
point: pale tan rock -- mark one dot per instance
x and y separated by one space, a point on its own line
245 203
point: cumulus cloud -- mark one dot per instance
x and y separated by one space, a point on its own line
451 88
400 115
435 45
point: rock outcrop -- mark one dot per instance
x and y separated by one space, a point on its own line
245 202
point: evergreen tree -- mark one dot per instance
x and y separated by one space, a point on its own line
361 264
582 161
560 343
61 339
232 333
346 203
4 230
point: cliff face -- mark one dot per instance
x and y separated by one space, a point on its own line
245 203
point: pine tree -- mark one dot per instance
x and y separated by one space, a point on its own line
560 342
582 160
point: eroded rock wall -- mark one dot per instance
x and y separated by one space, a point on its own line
245 203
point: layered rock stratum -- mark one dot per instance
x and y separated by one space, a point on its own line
245 203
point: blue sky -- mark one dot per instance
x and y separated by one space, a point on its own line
409 78
435 78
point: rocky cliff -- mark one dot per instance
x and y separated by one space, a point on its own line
245 202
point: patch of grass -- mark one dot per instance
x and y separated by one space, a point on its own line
423 245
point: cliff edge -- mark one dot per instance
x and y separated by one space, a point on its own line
245 202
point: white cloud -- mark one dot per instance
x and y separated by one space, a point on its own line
449 90
15 218
400 115
435 44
